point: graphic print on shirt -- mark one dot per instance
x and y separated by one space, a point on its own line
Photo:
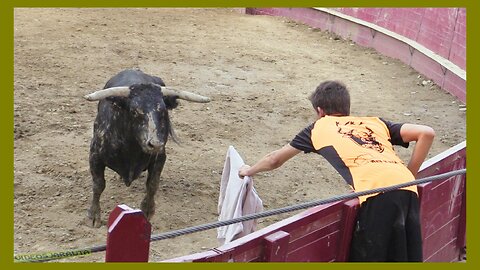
357 133
364 157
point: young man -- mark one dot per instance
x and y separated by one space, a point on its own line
361 150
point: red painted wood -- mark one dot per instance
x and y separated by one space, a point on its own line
321 248
128 238
350 209
447 196
323 233
304 228
462 226
444 234
442 208
253 254
439 216
116 212
447 253
196 257
276 246
331 230
318 232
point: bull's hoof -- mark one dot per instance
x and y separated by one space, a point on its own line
147 209
94 220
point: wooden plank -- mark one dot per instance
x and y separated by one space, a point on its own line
320 249
276 246
128 238
462 228
350 209
449 192
442 206
436 241
440 216
313 225
253 254
447 253
333 230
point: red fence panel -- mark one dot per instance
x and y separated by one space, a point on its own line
319 234
442 207
322 233
128 238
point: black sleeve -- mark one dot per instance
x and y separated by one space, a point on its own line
394 129
303 140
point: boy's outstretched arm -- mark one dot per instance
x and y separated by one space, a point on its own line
423 136
271 161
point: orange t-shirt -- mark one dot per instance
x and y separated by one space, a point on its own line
360 149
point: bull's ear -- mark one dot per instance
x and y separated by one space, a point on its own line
171 102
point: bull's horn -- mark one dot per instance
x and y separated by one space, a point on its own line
121 91
167 91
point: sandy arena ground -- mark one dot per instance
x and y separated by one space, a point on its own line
258 70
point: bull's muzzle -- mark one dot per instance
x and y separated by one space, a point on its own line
154 145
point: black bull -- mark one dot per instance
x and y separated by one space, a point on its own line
130 132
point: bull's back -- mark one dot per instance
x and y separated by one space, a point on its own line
129 77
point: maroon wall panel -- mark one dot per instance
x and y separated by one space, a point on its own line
442 208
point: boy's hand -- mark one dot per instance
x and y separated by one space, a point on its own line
243 171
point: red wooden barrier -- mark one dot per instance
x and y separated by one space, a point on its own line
128 238
443 207
276 246
323 233
319 234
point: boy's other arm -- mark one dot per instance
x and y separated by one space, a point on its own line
423 136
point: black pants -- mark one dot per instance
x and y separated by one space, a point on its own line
388 229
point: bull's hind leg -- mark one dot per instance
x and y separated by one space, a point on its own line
97 170
153 180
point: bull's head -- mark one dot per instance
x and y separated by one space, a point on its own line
146 106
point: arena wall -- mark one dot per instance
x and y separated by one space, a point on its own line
430 40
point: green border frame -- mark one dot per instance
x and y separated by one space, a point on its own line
6 77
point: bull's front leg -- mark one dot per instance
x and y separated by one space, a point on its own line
153 180
97 170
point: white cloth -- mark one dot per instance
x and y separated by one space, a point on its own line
237 198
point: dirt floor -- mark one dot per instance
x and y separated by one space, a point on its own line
258 70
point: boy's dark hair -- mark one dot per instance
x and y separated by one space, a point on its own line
332 97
